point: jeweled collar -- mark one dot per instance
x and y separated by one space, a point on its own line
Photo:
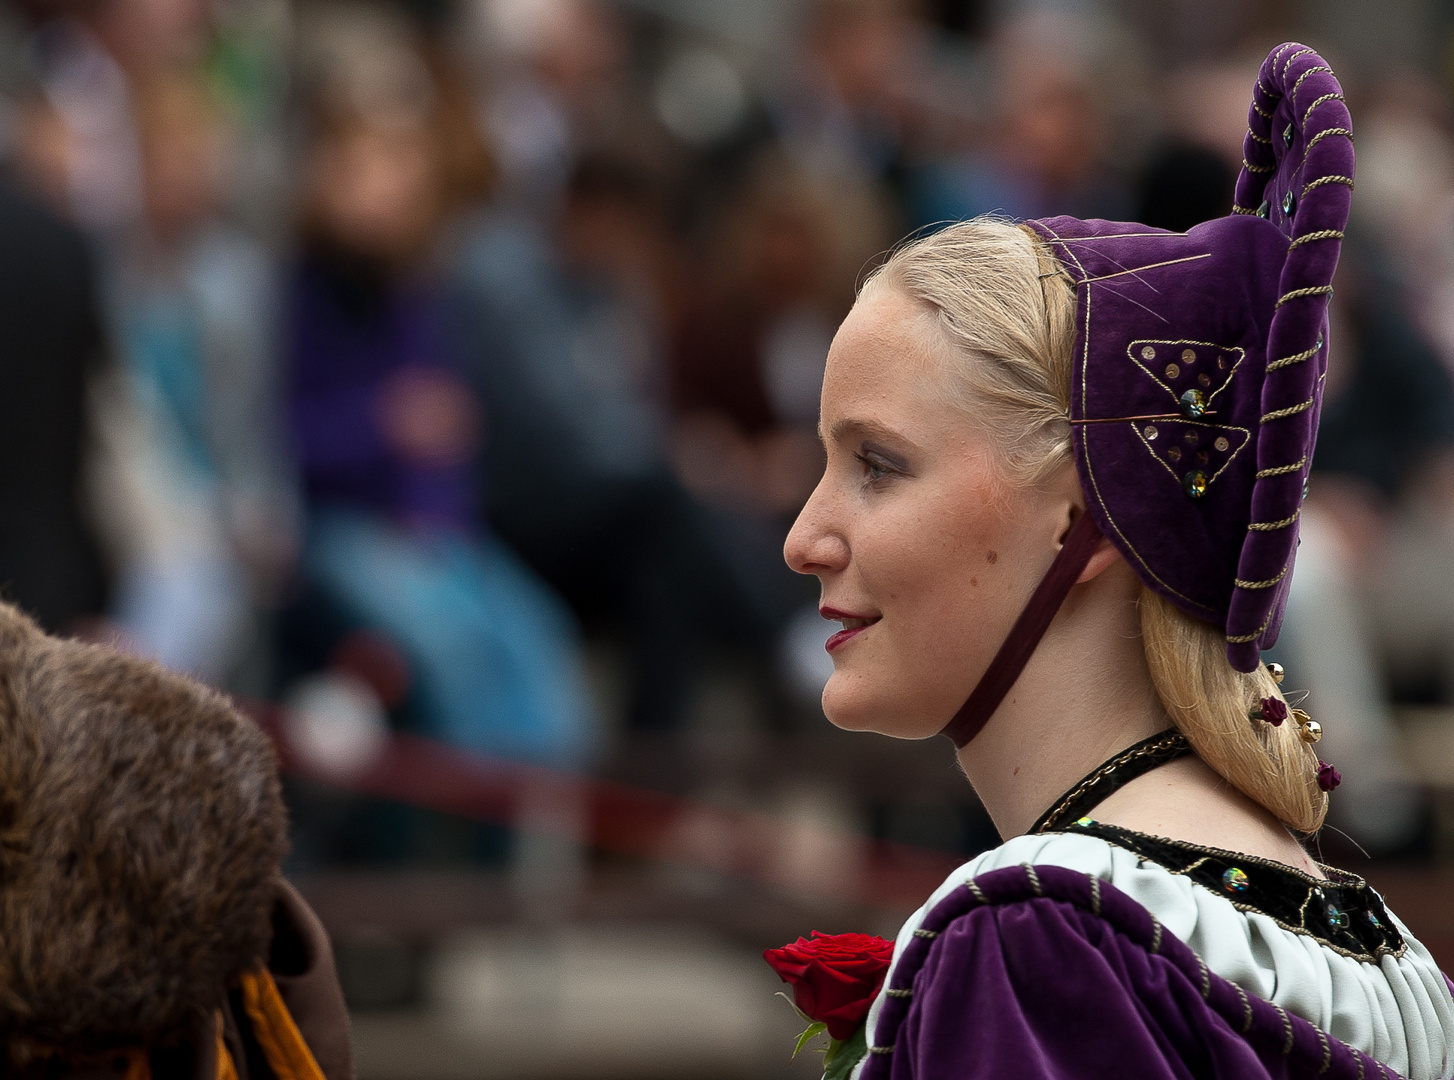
1110 776
1341 912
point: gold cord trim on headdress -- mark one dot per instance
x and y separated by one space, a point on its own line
1304 75
1296 358
1320 181
1261 110
1282 470
1273 526
1320 136
1269 583
1257 168
1238 208
1287 66
1291 410
1320 101
1308 238
1312 290
1243 639
1264 141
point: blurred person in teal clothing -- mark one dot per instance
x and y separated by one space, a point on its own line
198 495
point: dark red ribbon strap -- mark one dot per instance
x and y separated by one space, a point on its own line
1029 628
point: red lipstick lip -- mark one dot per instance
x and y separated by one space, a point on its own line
834 613
842 637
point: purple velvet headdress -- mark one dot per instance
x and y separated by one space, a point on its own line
1199 362
1198 379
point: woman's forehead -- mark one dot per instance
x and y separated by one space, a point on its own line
887 358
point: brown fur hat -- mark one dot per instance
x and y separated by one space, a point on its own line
141 827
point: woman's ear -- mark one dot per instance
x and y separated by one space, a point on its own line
1104 555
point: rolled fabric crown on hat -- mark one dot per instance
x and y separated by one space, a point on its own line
1199 358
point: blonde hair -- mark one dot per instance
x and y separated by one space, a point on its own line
1007 308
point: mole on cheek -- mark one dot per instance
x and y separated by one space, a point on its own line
974 583
992 558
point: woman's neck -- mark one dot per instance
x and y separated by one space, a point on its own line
1085 696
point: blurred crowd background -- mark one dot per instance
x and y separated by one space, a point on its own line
447 370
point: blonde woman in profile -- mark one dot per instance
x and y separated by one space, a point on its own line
1058 521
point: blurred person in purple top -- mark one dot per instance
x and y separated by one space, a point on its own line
388 432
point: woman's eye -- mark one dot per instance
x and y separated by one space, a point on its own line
874 468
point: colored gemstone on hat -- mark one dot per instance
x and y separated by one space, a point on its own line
1287 135
1264 209
1288 202
1084 821
1374 921
1234 880
1195 483
1337 918
1193 404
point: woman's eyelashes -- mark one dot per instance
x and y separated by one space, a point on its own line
877 467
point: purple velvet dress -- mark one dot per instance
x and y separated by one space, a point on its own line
1042 971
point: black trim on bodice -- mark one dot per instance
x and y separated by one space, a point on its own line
1097 786
1341 912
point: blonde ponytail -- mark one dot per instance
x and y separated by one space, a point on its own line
1211 702
1006 306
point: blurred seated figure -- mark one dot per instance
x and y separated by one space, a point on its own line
388 431
568 348
196 486
1047 145
50 322
748 348
146 931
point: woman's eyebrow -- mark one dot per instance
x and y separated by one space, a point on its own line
854 426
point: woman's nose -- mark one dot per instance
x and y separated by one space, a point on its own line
813 546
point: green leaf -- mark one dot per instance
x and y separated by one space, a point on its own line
812 1032
843 1056
806 1018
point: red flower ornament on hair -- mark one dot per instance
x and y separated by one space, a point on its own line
1274 710
1328 777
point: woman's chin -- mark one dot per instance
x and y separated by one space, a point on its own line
853 706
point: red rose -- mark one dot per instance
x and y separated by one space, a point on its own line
835 977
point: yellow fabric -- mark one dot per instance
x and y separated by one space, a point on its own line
273 1027
138 1065
226 1070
